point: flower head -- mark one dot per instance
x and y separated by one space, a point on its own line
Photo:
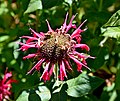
5 86
57 47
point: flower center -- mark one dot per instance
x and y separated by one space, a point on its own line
55 45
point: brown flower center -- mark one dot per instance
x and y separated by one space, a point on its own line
55 45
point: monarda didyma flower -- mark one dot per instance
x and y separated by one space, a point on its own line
5 86
55 49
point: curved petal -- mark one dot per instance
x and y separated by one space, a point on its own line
62 71
35 33
29 56
82 46
78 30
50 29
70 25
37 66
78 62
51 69
45 75
67 65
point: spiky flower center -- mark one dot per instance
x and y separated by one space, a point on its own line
55 45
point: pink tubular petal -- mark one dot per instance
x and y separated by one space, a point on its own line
50 29
67 65
82 46
5 85
25 47
35 33
32 38
29 56
62 71
82 23
78 31
29 40
70 25
10 81
78 62
6 76
51 69
45 75
64 24
41 33
81 56
6 92
37 66
63 68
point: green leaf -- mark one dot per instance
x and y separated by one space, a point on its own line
33 6
33 96
82 85
113 32
60 93
4 38
112 27
58 85
23 96
44 93
69 2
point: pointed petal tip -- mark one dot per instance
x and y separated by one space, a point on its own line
49 27
30 29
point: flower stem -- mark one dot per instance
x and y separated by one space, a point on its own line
100 6
56 72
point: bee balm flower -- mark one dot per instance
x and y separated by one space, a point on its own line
56 48
5 86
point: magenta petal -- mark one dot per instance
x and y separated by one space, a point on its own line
29 56
64 24
78 62
50 29
29 39
78 38
6 76
78 31
82 46
45 75
25 47
35 33
70 25
5 85
63 68
37 66
81 56
51 69
41 33
32 38
62 71
67 65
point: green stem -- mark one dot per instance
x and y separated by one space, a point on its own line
100 6
56 72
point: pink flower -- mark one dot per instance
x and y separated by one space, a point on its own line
5 86
55 49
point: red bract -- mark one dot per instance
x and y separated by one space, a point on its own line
56 48
5 86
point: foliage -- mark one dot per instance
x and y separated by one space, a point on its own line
102 36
